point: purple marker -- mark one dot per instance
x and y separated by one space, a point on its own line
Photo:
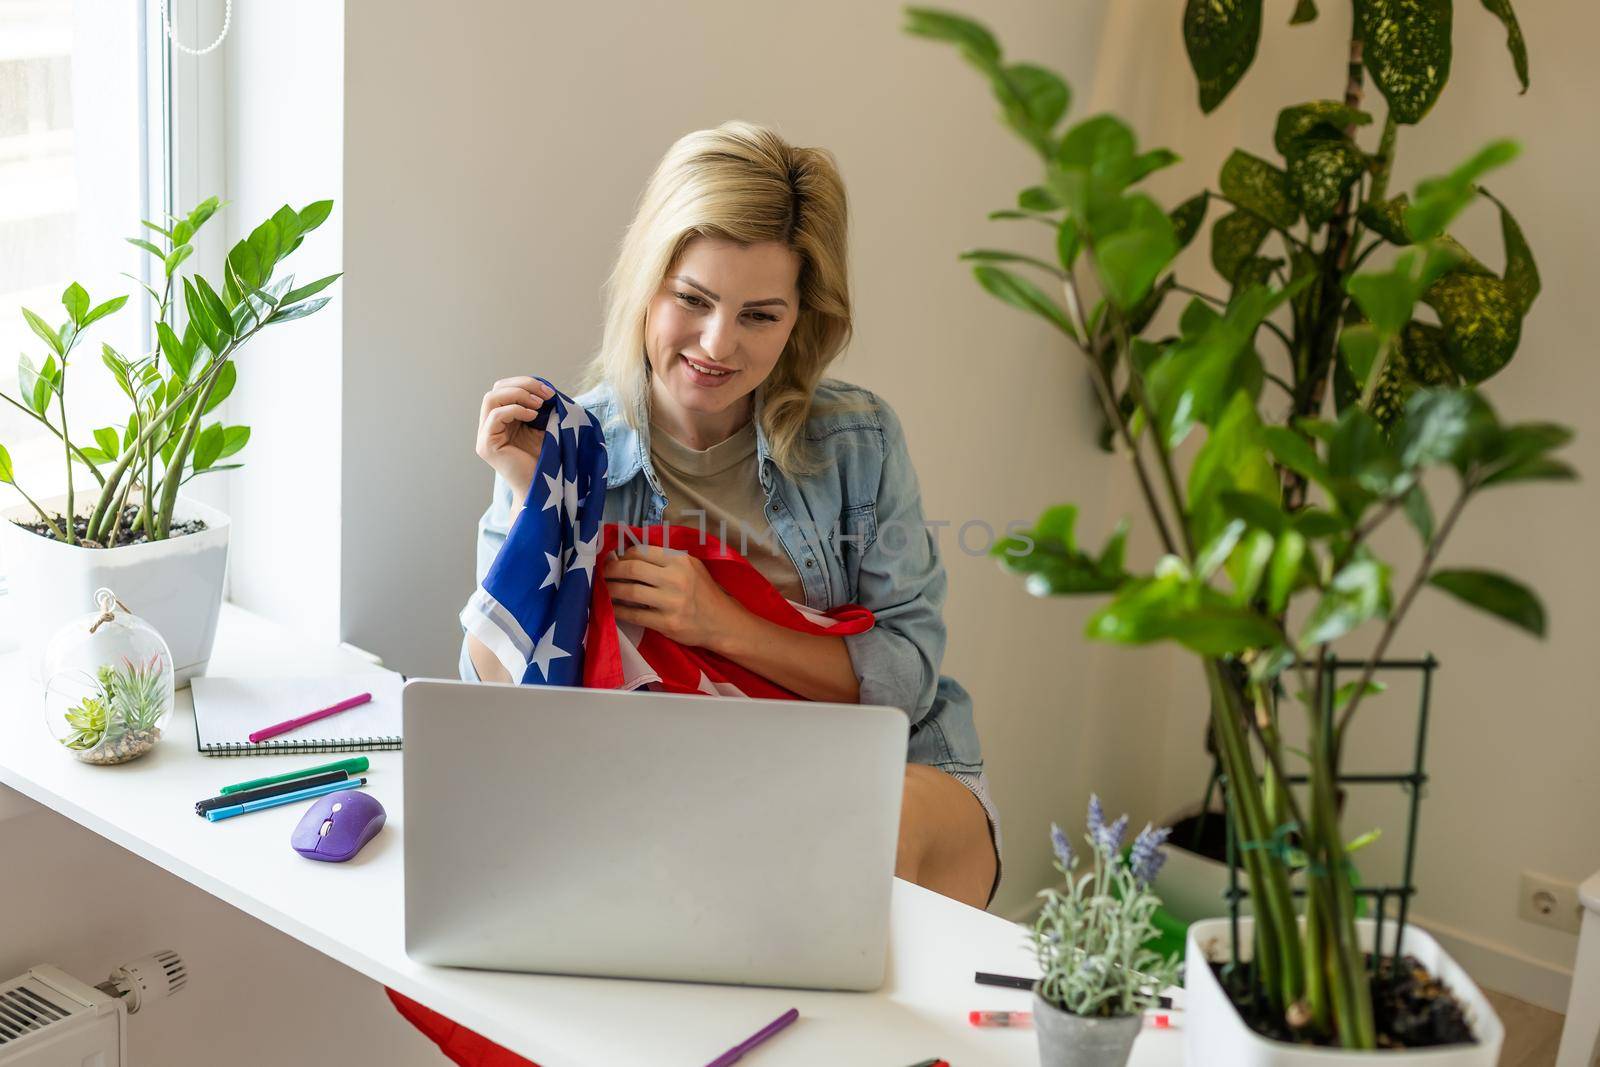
734 1053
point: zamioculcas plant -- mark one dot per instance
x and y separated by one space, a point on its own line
1336 376
186 373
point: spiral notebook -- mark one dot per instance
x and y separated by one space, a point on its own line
227 710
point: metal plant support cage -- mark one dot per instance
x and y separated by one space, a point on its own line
1410 782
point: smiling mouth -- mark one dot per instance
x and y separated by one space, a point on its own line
708 371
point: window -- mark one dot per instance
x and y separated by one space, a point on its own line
73 184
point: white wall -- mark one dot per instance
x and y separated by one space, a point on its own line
1512 749
493 156
284 66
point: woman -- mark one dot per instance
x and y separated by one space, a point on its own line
727 302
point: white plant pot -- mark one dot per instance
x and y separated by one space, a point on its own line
1215 1034
175 585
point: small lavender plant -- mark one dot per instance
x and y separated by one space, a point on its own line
1090 939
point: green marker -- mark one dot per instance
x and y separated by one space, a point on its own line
354 766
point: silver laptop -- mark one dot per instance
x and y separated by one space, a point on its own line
650 835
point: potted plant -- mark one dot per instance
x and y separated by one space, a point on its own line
1098 978
123 522
1332 390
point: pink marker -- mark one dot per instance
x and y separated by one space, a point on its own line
293 724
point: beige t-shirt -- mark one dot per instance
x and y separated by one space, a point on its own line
718 490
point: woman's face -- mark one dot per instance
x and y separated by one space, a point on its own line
715 330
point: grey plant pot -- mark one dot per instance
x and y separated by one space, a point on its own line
1067 1040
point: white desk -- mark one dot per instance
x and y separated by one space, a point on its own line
353 912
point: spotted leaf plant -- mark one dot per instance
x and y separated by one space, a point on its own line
137 467
1330 385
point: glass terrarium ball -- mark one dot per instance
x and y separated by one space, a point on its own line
108 683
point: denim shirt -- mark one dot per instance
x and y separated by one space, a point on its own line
856 535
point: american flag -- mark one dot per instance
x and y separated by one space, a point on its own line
545 612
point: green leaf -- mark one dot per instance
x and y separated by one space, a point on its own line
1320 172
976 255
1234 239
1417 361
108 440
1147 163
293 296
1187 218
1440 199
215 307
100 311
1231 461
1288 551
225 380
1215 552
1304 11
1387 219
76 300
976 42
1406 48
43 331
1129 260
1037 198
1419 513
1221 38
1069 243
174 259
300 311
266 241
8 474
1359 344
1496 594
1361 841
179 359
1248 565
1222 630
1256 185
162 230
1002 284
1361 462
1032 99
153 249
1294 452
182 230
205 328
1482 323
233 439
1521 274
1318 120
1532 470
1501 9
29 385
207 446
1052 562
1258 512
1359 592
316 213
92 455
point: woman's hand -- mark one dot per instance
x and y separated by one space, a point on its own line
672 593
507 440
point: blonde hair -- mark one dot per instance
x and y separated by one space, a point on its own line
744 183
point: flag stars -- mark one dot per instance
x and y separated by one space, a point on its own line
547 652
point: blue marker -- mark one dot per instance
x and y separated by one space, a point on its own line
216 814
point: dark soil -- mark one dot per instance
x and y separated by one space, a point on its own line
1411 1009
1213 840
126 535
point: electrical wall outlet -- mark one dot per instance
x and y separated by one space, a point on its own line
1550 902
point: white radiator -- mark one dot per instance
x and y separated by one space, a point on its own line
50 1019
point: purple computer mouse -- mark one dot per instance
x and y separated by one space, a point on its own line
336 826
